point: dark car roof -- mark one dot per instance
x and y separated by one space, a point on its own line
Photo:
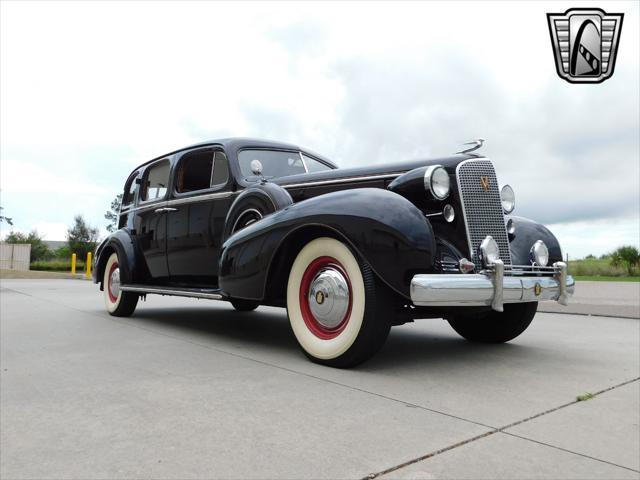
233 144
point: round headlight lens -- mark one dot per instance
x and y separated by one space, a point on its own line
508 199
436 181
489 251
540 254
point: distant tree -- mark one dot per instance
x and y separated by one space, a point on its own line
113 212
81 237
39 249
590 257
5 219
626 256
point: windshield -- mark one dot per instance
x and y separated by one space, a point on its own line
276 163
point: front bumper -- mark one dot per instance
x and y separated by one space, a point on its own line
493 287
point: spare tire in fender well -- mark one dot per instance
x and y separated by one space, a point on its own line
262 198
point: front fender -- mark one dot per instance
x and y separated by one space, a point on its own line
385 229
527 232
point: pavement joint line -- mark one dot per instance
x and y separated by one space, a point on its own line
262 362
568 451
590 314
396 467
501 430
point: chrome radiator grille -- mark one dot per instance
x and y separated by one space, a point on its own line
482 207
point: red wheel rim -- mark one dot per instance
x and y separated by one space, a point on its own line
113 298
312 323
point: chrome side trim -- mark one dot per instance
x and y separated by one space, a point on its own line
181 201
144 289
341 180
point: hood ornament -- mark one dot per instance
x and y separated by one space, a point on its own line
476 145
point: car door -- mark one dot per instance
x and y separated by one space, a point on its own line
150 217
202 194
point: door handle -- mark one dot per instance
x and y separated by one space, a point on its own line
165 210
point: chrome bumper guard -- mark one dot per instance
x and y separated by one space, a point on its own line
493 287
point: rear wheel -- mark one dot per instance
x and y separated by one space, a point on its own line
338 310
118 303
496 327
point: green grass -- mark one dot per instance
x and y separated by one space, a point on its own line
605 278
56 266
595 267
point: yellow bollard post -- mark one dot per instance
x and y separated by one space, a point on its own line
73 264
88 274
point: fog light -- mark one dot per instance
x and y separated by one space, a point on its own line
539 254
449 213
489 251
511 227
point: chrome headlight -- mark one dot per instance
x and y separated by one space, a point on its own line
436 181
539 254
489 251
508 199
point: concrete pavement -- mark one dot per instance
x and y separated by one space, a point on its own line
191 389
612 299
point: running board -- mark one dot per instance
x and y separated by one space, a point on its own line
210 294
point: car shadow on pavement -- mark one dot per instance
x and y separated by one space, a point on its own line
406 346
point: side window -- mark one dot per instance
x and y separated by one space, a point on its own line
314 165
130 190
194 171
220 175
155 181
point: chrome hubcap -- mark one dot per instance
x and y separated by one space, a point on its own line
114 282
329 297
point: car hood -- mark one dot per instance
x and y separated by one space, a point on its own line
390 169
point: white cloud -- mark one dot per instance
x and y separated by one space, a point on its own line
88 89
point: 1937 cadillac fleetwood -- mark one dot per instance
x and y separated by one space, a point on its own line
348 252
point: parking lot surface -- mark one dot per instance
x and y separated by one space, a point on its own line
192 389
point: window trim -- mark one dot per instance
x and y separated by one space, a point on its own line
141 201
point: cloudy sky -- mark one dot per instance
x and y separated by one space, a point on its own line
90 89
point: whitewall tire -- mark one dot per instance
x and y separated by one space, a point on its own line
338 311
118 303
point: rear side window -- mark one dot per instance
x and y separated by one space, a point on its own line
154 185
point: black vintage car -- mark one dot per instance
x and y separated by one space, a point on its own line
348 252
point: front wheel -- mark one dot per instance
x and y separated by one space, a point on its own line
496 327
118 303
339 312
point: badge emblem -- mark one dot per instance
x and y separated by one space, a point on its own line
585 43
537 289
484 181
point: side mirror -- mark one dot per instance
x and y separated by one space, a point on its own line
256 168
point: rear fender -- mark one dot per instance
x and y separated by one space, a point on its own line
122 243
384 228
